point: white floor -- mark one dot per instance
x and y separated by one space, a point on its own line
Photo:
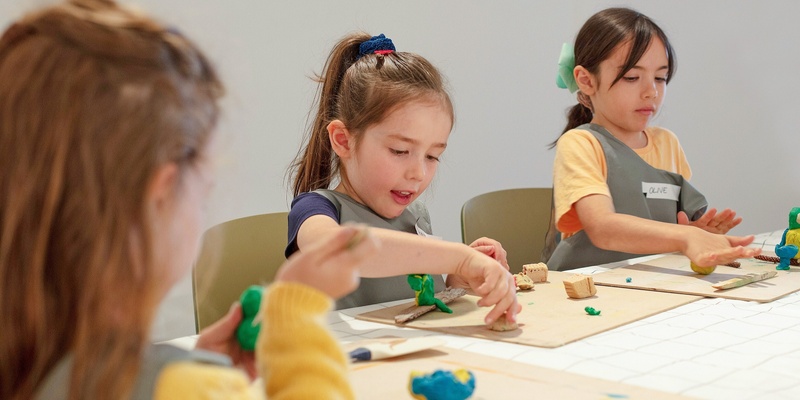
175 318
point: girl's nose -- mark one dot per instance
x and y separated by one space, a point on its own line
650 90
416 170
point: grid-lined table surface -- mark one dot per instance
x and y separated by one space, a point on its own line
712 348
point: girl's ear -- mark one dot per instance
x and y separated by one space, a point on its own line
587 83
341 140
161 188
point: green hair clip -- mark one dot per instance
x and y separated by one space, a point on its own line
566 64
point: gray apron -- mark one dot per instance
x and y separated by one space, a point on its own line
156 358
379 290
637 189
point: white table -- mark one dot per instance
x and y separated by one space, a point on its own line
712 348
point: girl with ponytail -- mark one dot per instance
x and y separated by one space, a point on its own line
621 186
382 124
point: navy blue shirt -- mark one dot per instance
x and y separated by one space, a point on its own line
307 205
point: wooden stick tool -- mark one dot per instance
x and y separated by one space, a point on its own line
744 280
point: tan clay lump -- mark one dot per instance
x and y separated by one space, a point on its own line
580 286
502 325
537 272
531 274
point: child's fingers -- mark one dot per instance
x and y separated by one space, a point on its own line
350 258
507 305
727 255
494 288
501 255
706 218
366 246
485 249
740 240
214 336
228 323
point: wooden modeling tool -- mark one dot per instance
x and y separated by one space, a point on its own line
744 280
357 238
446 296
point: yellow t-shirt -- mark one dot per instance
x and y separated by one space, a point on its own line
297 356
580 169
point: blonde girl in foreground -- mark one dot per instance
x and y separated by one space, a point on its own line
106 123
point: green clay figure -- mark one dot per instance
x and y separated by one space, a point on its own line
591 311
247 332
424 292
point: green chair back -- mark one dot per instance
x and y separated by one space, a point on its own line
518 218
234 255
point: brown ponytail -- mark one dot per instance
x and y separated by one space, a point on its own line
359 92
315 164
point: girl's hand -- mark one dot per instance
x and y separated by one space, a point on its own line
220 337
713 222
706 249
331 265
492 282
491 248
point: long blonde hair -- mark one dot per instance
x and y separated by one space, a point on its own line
94 98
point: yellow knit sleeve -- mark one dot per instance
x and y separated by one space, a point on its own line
297 356
195 381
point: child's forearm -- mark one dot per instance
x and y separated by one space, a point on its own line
630 234
406 253
610 230
400 252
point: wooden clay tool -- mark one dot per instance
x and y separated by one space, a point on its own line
744 280
415 311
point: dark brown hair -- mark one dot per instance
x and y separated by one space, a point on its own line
598 38
94 98
360 92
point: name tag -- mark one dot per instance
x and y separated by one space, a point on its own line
425 234
664 191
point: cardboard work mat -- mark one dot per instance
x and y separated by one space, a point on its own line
494 378
548 318
672 273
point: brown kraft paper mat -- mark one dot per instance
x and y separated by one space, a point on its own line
672 273
548 318
494 378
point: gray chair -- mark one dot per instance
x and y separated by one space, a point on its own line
518 218
234 255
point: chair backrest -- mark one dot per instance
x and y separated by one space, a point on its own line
234 255
518 218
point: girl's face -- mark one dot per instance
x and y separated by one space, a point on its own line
396 159
626 108
179 224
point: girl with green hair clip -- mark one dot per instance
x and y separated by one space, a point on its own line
621 186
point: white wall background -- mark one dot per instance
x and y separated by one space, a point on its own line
732 101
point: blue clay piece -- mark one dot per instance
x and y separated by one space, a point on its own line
442 385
